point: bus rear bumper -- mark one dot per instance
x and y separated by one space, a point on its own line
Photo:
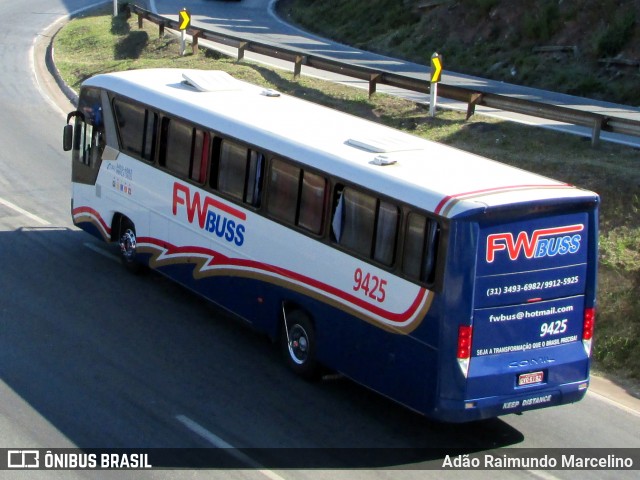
458 411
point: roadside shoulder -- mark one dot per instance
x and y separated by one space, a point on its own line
622 396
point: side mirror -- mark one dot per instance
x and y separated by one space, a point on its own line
67 137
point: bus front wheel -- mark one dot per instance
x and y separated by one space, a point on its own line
128 246
299 345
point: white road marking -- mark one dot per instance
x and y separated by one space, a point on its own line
217 442
22 211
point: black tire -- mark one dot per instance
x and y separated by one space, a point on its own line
298 342
128 247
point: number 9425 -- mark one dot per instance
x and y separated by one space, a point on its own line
372 286
553 328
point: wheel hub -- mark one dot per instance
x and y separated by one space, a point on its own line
128 244
298 345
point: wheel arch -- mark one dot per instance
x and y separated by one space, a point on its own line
289 306
116 225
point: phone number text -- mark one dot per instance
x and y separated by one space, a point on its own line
533 286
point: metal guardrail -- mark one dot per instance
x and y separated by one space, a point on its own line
473 97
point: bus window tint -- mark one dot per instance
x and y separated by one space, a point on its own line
420 247
253 190
366 225
284 182
131 123
386 233
296 197
178 141
358 221
232 169
198 170
312 200
149 138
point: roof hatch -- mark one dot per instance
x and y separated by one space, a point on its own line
211 80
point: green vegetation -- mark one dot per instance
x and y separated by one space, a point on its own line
96 44
617 34
497 39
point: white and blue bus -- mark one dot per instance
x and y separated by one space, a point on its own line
455 285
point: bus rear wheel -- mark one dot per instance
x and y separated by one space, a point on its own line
128 246
298 343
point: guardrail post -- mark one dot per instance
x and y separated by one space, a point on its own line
140 17
241 49
194 43
474 99
595 132
373 82
161 29
297 67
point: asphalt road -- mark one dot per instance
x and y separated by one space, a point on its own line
92 356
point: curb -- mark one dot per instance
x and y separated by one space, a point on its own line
47 75
613 393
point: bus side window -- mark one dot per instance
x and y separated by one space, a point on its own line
386 232
366 225
149 137
359 214
297 197
130 120
255 172
239 172
200 156
232 169
312 201
176 146
284 183
420 248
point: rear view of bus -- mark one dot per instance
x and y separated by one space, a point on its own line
528 343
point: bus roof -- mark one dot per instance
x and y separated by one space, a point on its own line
429 175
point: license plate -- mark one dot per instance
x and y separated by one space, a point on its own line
530 378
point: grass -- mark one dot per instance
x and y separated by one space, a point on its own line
98 43
495 38
616 35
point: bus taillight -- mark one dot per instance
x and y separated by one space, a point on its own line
464 347
587 328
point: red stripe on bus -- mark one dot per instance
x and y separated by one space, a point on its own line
94 213
218 259
448 198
